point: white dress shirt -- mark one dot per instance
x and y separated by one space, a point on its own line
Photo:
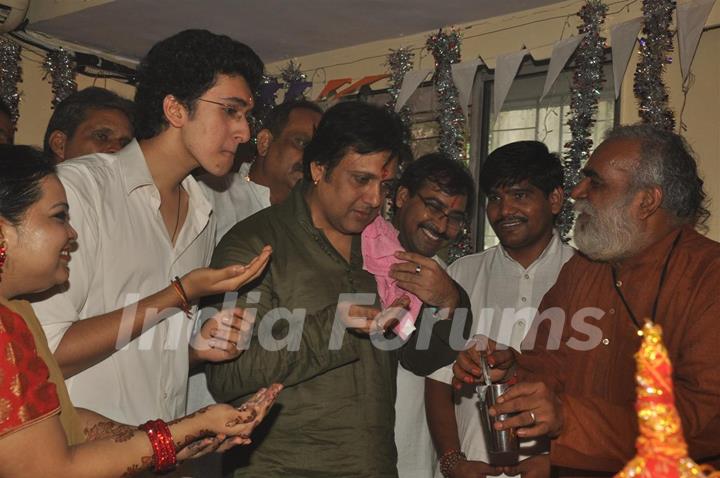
416 453
234 197
124 255
504 297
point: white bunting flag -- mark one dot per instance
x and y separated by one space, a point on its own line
506 67
464 77
691 18
411 81
623 37
562 51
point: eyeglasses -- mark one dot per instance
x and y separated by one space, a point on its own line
230 110
455 219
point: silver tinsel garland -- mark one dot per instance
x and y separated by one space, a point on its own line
59 64
399 62
10 76
445 48
587 80
655 45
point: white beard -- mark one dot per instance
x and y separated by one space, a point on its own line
606 235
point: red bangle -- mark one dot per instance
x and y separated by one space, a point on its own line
180 291
162 444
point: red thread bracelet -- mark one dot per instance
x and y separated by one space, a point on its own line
180 291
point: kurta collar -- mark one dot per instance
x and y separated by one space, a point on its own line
301 211
552 248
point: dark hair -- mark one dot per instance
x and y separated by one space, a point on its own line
185 66
356 126
278 117
6 110
666 160
451 176
520 161
73 110
23 167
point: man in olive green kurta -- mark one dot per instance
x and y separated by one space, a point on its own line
336 413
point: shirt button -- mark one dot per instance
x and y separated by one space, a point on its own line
524 299
618 283
606 341
527 276
612 311
165 396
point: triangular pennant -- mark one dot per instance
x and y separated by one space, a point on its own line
562 51
506 67
464 76
623 37
411 81
691 18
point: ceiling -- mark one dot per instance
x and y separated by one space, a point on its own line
276 29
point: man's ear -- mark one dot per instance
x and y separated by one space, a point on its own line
317 172
402 196
264 138
650 201
556 198
57 142
174 111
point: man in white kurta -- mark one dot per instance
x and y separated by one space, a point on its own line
522 182
499 288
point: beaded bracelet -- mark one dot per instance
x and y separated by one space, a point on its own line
180 291
162 444
449 460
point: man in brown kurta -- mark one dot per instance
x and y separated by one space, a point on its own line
597 387
639 203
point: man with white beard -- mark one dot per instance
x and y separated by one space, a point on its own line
640 202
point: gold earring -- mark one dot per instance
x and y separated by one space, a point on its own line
3 254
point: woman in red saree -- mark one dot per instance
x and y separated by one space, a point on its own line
39 434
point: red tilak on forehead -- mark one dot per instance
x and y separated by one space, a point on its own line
455 202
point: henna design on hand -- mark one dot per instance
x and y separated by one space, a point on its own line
117 431
243 418
145 463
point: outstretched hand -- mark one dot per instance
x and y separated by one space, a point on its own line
221 426
207 281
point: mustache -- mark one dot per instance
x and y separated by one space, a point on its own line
582 206
431 227
505 219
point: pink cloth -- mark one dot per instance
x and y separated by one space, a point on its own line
379 245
